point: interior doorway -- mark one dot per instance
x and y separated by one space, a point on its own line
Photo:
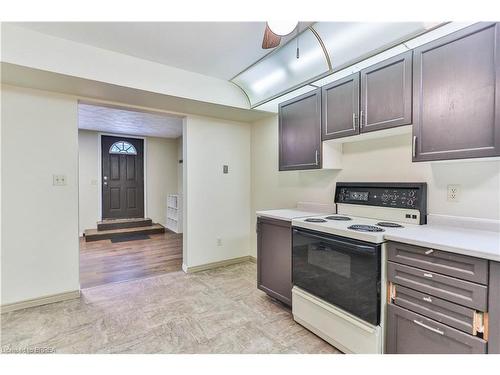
128 172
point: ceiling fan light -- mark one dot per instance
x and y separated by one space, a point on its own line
282 28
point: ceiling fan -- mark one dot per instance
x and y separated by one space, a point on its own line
275 30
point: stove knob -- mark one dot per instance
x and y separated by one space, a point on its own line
410 202
385 197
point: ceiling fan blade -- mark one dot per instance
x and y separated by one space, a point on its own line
270 40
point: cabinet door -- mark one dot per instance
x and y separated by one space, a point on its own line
410 333
386 94
274 258
456 99
494 309
300 132
341 107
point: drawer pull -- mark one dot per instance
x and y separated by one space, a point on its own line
428 327
429 275
427 299
428 252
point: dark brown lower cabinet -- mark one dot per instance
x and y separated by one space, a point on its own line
274 258
494 309
411 333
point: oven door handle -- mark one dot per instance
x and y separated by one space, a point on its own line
333 241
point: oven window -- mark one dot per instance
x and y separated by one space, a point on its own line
337 263
339 270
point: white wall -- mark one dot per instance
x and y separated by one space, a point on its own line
217 204
88 191
179 165
39 221
160 174
385 159
29 48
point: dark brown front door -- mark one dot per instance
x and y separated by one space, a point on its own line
122 177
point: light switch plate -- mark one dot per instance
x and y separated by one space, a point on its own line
453 193
59 180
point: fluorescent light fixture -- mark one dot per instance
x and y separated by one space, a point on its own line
269 80
282 28
307 59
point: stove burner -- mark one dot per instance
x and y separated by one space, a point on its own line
340 218
315 220
365 228
389 224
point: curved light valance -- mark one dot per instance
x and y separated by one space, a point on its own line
324 48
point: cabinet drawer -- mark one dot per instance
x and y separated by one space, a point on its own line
461 266
455 290
459 317
411 333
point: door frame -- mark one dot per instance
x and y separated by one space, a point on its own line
99 169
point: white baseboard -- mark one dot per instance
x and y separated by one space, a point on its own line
8 307
223 263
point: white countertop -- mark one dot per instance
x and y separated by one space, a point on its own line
287 214
473 242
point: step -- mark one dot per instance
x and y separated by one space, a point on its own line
109 224
97 235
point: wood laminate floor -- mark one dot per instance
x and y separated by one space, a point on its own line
215 311
103 262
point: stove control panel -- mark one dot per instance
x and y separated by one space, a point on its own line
397 195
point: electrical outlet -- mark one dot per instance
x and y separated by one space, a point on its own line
453 193
58 179
219 241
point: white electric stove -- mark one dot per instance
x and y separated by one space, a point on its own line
338 262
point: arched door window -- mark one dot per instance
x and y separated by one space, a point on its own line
122 147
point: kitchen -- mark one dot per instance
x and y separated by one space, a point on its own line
340 191
433 276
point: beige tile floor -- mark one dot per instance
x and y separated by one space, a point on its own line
216 311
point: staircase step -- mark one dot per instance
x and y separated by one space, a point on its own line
110 224
97 235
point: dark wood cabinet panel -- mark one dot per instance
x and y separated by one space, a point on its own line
386 94
411 333
340 107
449 288
456 265
456 98
274 258
494 309
300 132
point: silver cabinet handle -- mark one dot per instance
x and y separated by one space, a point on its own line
428 327
317 157
428 252
353 120
429 275
360 119
427 299
414 146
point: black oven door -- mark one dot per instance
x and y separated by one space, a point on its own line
342 271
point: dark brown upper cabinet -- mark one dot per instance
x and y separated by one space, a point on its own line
300 132
456 97
340 108
386 94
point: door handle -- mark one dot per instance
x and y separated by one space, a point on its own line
316 155
428 252
428 327
361 119
354 120
105 183
414 146
429 275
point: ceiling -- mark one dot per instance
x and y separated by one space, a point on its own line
217 49
126 121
